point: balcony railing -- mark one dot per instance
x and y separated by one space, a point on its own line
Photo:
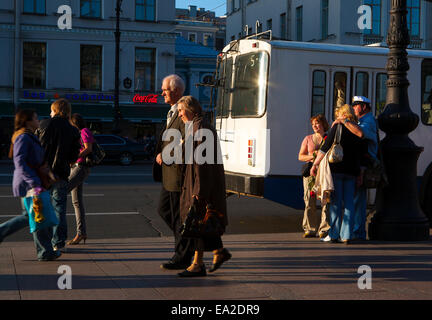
416 43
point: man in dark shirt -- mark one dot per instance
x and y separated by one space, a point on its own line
61 142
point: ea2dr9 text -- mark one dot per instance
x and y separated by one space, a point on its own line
237 309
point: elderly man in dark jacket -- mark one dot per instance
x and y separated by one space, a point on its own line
61 142
170 174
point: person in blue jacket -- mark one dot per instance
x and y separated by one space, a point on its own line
27 154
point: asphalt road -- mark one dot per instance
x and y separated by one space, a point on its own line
122 202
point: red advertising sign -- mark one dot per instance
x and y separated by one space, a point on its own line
150 98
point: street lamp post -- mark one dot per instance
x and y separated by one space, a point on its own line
117 113
398 214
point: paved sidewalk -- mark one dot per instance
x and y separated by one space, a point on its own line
264 266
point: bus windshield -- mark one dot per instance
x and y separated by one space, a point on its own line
224 92
250 85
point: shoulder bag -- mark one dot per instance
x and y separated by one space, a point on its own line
198 225
96 156
336 150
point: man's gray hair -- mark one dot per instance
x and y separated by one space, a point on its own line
175 82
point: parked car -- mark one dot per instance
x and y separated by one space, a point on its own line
121 149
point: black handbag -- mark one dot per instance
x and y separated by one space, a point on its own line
199 225
306 169
96 156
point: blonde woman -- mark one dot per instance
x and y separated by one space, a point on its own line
344 174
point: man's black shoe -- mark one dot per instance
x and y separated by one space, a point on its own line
174 266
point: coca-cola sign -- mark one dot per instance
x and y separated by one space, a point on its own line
150 98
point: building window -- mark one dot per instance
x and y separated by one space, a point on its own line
283 29
426 114
269 24
381 93
362 84
90 8
324 18
207 40
34 65
192 37
318 92
232 6
413 17
91 67
376 17
145 10
34 6
220 44
299 23
145 66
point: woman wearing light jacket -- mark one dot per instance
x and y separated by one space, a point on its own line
27 154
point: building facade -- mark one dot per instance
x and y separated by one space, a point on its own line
201 26
196 64
43 62
326 21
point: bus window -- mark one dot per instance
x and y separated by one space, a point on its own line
318 92
426 85
224 91
362 84
339 90
381 93
250 85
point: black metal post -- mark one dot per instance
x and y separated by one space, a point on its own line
117 113
398 214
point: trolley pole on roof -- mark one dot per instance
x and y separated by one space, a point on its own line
398 215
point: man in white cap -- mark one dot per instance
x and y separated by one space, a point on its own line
367 124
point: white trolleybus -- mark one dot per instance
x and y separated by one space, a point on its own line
268 90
